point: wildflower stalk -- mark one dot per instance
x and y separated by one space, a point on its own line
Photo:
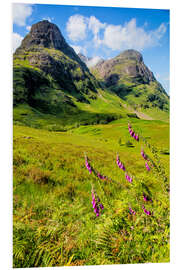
97 205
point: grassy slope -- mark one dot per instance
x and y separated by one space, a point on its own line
107 104
54 223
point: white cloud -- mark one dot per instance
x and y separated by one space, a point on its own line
115 37
28 28
159 32
92 62
118 37
21 12
16 40
79 49
48 19
76 27
95 26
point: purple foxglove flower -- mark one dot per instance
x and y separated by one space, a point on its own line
99 176
146 198
137 137
132 211
96 210
147 166
88 166
94 204
131 133
98 207
128 178
146 211
119 163
143 155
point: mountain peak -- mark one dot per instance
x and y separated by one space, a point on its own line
46 34
131 54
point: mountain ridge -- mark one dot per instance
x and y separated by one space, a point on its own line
50 77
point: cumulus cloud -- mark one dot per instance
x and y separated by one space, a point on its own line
93 61
16 40
21 12
28 28
118 37
79 49
95 26
114 37
76 27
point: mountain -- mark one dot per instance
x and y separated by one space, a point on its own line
84 58
53 86
48 72
131 79
90 61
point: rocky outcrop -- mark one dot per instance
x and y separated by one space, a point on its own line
45 51
47 35
127 64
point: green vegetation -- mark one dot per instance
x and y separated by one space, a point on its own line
54 222
62 114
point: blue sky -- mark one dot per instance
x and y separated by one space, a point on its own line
104 32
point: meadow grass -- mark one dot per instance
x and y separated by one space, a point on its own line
53 220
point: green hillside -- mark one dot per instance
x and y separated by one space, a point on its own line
54 222
73 204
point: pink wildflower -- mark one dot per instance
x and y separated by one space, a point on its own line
147 166
88 165
143 154
119 163
132 211
129 178
96 204
146 211
146 198
137 137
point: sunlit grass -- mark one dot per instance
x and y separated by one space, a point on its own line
54 222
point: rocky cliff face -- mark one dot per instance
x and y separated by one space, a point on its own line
128 65
45 53
50 77
47 35
129 77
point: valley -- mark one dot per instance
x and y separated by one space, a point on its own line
70 128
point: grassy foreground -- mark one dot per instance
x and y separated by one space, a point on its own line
54 223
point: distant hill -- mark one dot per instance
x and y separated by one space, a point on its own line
131 79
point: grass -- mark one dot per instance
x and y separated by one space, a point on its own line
53 219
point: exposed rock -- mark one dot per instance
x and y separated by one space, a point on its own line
44 53
47 35
129 63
